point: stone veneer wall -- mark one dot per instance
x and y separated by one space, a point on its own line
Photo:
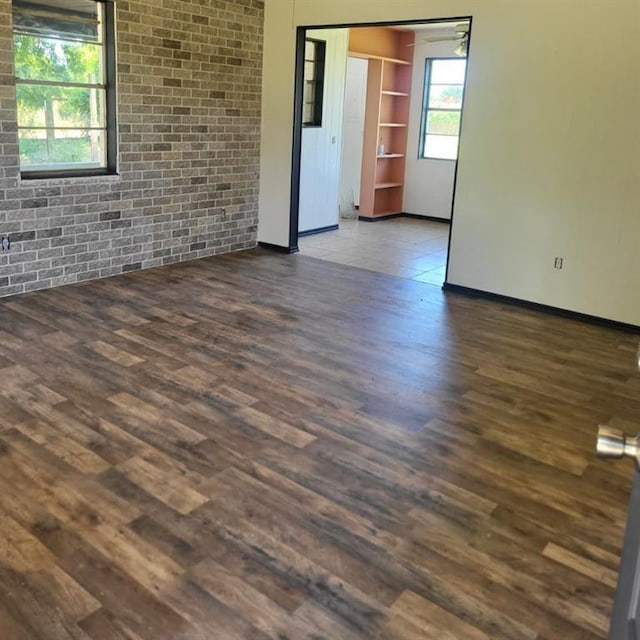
189 94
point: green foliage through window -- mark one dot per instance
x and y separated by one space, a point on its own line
444 92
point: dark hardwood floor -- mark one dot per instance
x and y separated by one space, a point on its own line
260 446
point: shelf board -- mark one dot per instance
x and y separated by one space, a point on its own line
400 94
398 125
388 185
391 155
370 56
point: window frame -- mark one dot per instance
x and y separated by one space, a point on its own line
426 96
319 77
111 104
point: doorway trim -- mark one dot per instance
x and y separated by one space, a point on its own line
296 155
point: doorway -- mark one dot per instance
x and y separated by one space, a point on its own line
373 157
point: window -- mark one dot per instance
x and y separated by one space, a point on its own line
314 55
443 93
64 67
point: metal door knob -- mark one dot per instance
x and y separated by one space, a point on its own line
613 443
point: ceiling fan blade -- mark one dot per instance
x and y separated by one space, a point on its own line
461 32
430 40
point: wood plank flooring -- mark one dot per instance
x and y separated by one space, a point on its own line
258 446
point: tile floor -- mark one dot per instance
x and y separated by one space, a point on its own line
414 249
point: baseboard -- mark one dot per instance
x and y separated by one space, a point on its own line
536 306
413 216
313 232
278 248
391 216
416 216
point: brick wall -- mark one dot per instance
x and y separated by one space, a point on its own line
189 92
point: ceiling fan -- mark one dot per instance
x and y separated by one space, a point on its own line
460 33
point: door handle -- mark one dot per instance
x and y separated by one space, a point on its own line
613 443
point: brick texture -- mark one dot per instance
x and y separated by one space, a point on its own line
189 93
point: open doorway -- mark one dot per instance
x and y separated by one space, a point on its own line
378 155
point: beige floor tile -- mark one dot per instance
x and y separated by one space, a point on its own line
426 263
408 248
394 270
316 252
429 277
431 245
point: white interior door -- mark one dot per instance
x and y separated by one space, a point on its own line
355 101
322 146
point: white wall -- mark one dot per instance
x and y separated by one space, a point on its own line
322 146
549 163
428 183
355 101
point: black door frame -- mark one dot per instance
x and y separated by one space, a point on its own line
296 159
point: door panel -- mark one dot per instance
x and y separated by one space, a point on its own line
625 619
354 109
322 146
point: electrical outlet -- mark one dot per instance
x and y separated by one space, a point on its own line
5 243
559 263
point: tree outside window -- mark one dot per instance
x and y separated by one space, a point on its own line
61 86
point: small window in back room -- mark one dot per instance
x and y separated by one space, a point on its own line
314 56
443 94
64 66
